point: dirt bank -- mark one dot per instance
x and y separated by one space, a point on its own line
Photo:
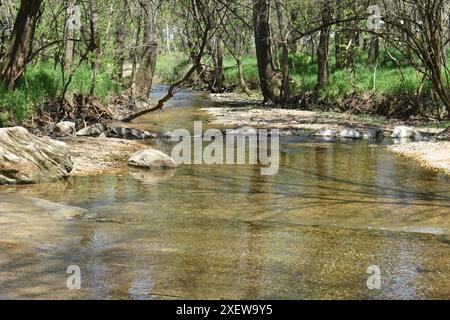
239 110
98 155
434 155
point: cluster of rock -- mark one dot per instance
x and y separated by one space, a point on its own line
401 132
105 131
26 158
351 133
67 128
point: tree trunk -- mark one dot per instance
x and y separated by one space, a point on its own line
135 50
120 41
337 51
144 75
13 62
266 71
284 61
94 44
219 74
70 27
374 51
323 73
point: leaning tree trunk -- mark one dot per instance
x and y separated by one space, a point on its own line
266 71
144 75
13 62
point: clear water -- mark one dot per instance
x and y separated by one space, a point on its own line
222 232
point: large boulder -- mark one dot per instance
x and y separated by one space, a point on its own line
403 132
25 158
152 159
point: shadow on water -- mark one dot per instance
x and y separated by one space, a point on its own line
311 231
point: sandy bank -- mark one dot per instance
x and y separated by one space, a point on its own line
434 155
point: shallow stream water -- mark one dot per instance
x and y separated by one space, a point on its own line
226 232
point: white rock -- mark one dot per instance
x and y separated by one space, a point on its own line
242 131
405 132
152 159
65 128
167 135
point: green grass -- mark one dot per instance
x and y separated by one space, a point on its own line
170 66
440 125
388 79
250 70
42 82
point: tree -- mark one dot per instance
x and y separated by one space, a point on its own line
323 72
144 75
266 70
18 50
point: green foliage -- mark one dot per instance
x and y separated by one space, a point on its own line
250 70
170 66
387 79
42 81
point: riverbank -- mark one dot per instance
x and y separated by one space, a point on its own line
240 110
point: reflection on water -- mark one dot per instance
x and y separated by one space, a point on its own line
227 232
